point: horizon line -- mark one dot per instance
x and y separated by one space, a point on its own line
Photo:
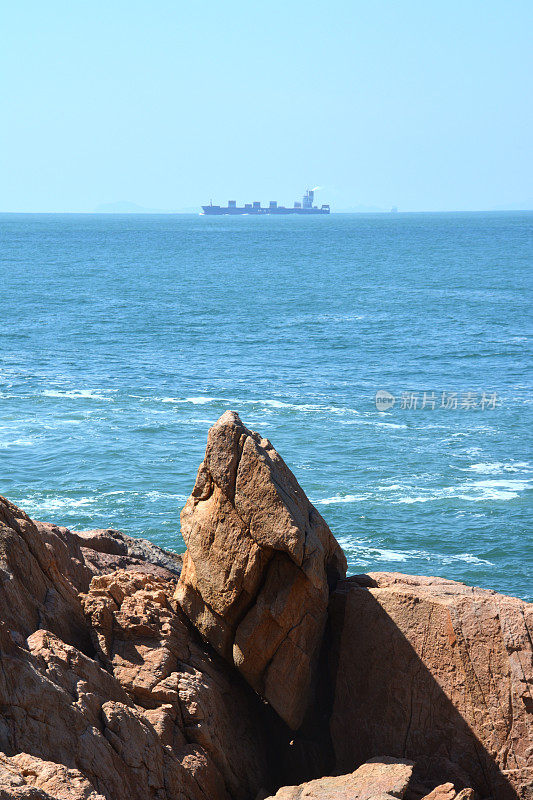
345 211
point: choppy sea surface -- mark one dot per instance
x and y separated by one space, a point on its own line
124 337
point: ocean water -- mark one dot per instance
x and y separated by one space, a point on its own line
123 338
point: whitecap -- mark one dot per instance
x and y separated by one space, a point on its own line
389 425
56 504
17 443
300 407
410 500
472 491
347 498
388 555
195 401
200 401
75 394
155 496
493 467
513 485
275 404
470 559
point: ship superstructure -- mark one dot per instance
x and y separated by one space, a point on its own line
305 206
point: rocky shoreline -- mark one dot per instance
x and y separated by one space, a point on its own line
255 668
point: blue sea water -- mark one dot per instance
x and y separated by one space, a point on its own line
123 338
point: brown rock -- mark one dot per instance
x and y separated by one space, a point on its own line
106 563
24 777
48 567
446 791
158 736
133 552
259 558
82 554
187 695
61 706
378 779
36 590
435 671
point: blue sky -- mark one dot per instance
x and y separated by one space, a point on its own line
423 105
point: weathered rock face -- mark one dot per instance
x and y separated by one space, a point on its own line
24 777
379 779
83 554
106 550
115 698
45 566
38 582
258 562
436 671
61 706
188 696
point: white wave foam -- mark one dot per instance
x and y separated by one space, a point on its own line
195 401
75 394
388 425
361 552
410 500
347 498
17 443
155 496
275 404
389 555
470 559
55 504
265 402
300 407
200 401
513 485
474 491
494 467
494 490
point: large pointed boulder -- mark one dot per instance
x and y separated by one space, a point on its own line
259 565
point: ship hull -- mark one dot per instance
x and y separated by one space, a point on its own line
218 211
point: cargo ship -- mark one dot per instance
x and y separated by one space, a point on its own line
305 206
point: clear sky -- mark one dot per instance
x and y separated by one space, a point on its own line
424 105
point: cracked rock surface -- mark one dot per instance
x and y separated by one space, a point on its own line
189 696
108 692
435 671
